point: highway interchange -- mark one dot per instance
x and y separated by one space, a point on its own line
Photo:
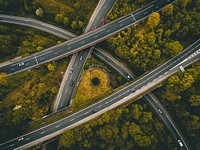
140 86
173 64
78 60
84 41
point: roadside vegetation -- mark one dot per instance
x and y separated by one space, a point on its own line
88 92
68 14
35 89
131 127
181 95
22 41
144 46
28 96
158 38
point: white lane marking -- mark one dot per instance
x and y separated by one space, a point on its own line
45 53
86 36
58 126
124 19
27 139
42 132
107 102
13 65
99 106
133 17
11 145
35 59
143 10
72 119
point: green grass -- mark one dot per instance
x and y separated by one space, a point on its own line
54 5
87 93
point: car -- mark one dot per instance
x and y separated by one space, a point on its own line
180 143
128 76
21 64
71 70
160 111
71 83
20 139
132 90
81 57
107 59
102 20
94 111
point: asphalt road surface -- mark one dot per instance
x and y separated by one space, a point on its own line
72 75
135 89
84 41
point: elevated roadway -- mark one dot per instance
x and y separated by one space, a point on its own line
134 90
72 75
84 41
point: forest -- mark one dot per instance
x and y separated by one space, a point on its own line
144 46
27 96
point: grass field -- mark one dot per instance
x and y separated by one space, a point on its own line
87 93
53 4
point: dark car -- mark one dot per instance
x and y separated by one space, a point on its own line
94 111
107 59
71 83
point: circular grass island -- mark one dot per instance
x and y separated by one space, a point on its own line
94 85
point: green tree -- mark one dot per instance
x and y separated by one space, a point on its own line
168 10
50 67
173 48
195 100
153 20
74 25
67 138
66 21
59 18
39 12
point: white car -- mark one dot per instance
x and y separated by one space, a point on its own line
180 143
160 111
20 139
21 64
128 76
71 70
